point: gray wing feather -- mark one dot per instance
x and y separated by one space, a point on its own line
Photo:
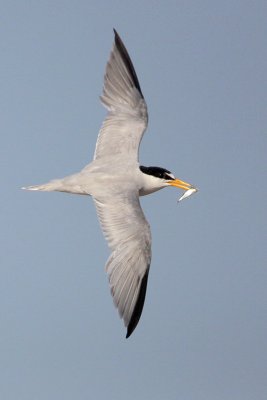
128 235
124 126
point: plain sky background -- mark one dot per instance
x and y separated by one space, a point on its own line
202 336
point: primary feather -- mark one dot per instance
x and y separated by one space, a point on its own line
125 124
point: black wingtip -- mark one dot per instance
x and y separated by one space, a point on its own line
139 306
127 60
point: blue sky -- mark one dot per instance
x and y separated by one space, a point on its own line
202 68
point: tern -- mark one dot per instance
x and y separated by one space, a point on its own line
116 180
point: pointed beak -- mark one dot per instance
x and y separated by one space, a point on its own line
181 184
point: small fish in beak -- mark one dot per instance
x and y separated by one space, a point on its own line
188 193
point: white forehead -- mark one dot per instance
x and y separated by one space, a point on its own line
170 175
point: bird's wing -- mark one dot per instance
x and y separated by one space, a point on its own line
128 234
124 126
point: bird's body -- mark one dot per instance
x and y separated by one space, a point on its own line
115 180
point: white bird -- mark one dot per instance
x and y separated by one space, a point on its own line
116 180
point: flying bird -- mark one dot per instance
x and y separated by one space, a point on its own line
116 180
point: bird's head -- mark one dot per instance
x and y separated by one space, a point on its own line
158 178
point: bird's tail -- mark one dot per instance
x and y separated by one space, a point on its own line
54 185
70 184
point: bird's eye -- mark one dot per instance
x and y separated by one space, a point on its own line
158 172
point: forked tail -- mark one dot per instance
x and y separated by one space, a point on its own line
54 185
70 184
